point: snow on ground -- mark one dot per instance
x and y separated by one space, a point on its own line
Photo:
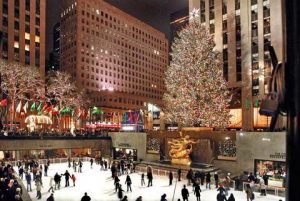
100 187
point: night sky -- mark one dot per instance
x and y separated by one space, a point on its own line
153 12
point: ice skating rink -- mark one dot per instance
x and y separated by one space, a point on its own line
100 187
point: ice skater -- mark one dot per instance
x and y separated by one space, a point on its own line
197 192
73 179
170 178
51 185
143 179
91 161
128 182
120 192
67 177
184 193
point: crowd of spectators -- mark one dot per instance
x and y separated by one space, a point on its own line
10 189
50 134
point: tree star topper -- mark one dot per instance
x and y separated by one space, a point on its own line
194 14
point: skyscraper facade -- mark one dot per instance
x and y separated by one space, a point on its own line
243 30
120 60
23 32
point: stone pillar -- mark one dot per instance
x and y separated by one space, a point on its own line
247 106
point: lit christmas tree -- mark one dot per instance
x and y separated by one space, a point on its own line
197 93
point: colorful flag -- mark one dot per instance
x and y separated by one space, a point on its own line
25 107
18 109
39 109
45 107
3 103
96 110
33 106
55 111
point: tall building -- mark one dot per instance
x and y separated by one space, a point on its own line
243 30
178 20
118 58
23 32
54 56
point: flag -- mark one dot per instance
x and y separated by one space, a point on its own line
3 103
18 109
25 107
55 111
65 110
33 106
78 113
39 109
45 107
96 110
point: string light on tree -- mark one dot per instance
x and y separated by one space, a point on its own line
196 93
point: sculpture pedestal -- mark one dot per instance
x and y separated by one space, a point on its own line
184 161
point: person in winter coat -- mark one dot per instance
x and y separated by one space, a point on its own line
231 198
116 183
28 180
57 179
51 183
163 197
249 193
197 192
128 182
190 176
50 198
86 197
143 179
170 178
120 192
125 198
221 197
184 193
208 180
38 185
179 174
216 177
73 179
67 177
263 187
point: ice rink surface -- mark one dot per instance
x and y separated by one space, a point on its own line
100 187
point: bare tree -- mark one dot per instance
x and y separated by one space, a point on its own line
20 83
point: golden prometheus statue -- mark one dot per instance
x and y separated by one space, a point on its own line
181 149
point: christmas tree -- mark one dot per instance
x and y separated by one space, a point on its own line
196 92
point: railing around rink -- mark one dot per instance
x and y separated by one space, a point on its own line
277 190
54 160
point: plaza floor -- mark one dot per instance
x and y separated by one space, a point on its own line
100 187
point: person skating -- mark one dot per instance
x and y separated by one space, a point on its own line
163 197
184 193
231 198
51 185
28 181
221 197
128 182
179 174
21 172
216 177
125 198
69 162
57 179
222 190
143 179
50 198
73 179
116 183
197 192
80 166
208 180
46 170
139 198
249 192
92 162
170 178
86 197
67 177
120 192
38 185
202 177
189 176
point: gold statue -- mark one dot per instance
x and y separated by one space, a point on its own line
181 149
